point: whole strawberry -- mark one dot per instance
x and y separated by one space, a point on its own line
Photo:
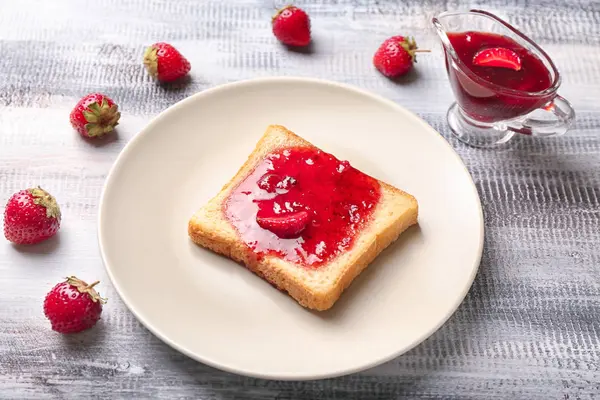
31 216
165 63
291 26
73 306
396 55
95 115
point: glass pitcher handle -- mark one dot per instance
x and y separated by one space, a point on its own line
563 113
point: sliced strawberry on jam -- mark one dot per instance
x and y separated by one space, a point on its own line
498 57
286 226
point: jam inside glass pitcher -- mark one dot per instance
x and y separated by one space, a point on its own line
504 83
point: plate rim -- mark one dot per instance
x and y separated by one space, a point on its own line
286 376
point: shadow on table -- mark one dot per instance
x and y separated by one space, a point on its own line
310 49
178 85
81 343
45 247
410 77
103 140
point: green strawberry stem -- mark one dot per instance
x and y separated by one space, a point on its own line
101 118
151 61
45 199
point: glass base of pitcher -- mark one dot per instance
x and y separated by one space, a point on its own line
475 133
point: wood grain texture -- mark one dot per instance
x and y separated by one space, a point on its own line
530 326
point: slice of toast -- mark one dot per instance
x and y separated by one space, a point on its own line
315 288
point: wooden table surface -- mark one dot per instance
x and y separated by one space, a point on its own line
528 329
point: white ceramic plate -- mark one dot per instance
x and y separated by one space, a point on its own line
216 311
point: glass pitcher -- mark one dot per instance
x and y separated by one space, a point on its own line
486 114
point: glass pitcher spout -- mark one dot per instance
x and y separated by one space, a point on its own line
442 29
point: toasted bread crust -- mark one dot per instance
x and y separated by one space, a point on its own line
209 228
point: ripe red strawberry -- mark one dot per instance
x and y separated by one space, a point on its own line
31 216
291 26
498 57
285 226
165 63
73 306
396 56
95 115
